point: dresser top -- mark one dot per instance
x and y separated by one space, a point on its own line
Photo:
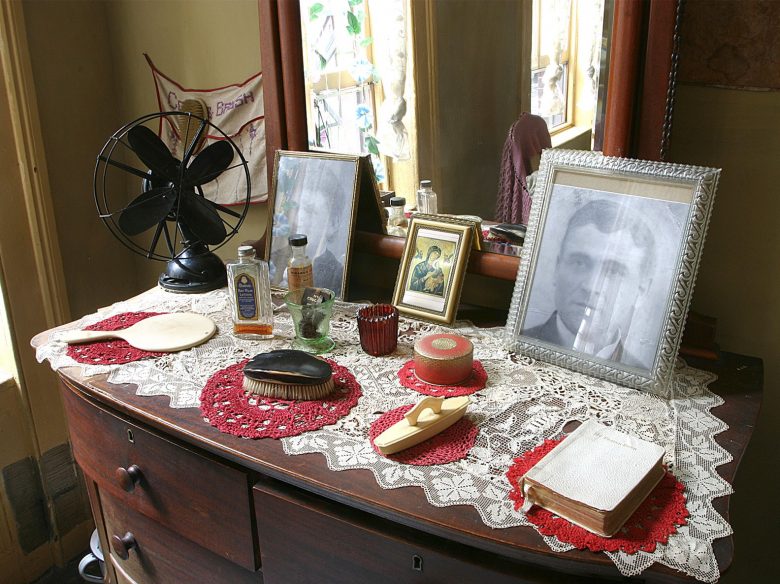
739 383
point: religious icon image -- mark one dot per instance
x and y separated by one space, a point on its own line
433 266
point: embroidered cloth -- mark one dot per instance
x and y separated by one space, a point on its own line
524 403
114 351
228 407
473 384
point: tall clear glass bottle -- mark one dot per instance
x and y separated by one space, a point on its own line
426 198
249 288
397 223
299 268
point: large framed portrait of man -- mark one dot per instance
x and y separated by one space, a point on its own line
609 262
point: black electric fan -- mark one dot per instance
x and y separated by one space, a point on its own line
172 220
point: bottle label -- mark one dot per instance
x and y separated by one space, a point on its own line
300 277
246 297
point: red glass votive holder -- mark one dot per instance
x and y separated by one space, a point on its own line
378 328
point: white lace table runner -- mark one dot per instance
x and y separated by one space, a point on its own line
525 401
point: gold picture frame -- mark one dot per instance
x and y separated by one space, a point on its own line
474 222
432 268
326 197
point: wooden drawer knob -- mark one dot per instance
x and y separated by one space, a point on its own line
128 477
123 545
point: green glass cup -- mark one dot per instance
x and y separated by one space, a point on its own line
311 310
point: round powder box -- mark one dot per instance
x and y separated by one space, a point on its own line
443 359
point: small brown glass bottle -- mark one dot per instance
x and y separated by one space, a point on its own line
397 223
299 268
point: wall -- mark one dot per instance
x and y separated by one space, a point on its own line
200 44
479 82
96 80
45 512
90 77
729 46
76 92
736 130
15 444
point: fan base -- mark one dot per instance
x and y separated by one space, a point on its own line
189 287
194 271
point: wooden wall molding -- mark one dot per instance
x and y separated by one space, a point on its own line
28 139
31 270
284 96
640 85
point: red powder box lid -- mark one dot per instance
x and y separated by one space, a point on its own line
443 346
443 359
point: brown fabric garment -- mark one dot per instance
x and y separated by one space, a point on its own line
527 137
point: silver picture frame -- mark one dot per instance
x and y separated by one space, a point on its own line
609 263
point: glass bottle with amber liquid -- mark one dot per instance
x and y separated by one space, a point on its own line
249 289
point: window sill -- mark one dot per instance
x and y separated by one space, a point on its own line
572 137
7 380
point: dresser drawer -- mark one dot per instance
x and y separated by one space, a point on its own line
195 496
307 539
152 554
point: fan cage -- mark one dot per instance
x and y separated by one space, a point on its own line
176 245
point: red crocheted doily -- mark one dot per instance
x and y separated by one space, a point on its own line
408 378
114 351
652 523
225 405
450 445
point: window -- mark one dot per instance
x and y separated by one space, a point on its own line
341 80
565 56
7 361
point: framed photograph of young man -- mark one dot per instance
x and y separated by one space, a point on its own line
432 268
608 266
319 194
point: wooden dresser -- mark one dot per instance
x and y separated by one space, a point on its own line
177 501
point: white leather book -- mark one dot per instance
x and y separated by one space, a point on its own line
596 477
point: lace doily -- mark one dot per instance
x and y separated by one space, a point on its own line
450 445
652 523
226 406
474 383
524 403
114 351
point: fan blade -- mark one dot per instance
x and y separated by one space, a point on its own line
147 210
153 153
144 174
209 164
223 209
201 218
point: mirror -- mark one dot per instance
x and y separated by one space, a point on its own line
431 88
637 109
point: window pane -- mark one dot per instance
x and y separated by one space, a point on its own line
552 31
549 94
342 120
340 78
552 22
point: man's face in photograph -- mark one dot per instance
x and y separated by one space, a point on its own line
599 280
